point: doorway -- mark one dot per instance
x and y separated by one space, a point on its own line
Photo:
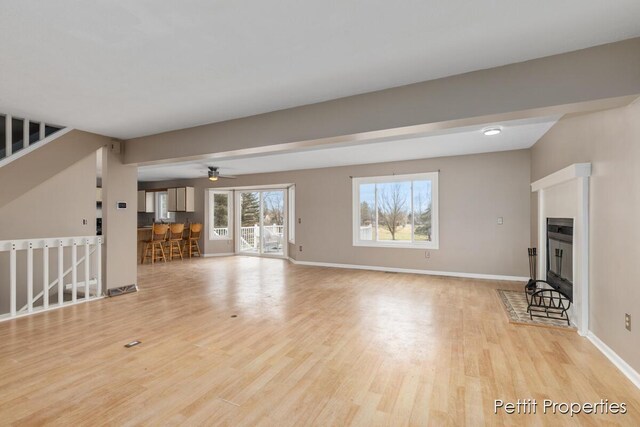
261 216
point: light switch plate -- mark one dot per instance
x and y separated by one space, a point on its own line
500 220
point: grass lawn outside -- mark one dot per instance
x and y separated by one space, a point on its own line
403 233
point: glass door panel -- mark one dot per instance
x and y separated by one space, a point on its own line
273 212
250 209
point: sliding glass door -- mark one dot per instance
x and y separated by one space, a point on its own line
272 235
262 220
249 210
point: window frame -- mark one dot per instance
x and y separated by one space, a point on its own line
435 224
230 214
291 213
156 201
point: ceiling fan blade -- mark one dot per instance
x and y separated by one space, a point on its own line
227 176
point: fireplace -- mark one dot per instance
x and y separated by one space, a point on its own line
560 255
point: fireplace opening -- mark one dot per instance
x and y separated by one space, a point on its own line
560 255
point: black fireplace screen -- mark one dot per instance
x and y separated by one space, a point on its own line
560 259
560 254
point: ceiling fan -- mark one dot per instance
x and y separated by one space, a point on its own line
214 174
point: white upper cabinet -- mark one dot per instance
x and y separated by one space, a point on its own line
145 201
172 203
181 199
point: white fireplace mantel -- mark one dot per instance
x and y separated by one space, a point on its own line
576 170
580 214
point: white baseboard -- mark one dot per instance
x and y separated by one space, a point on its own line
218 254
624 367
413 271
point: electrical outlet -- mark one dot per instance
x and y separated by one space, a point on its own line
299 220
85 222
627 321
300 249
427 254
500 220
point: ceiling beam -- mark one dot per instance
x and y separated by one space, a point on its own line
600 77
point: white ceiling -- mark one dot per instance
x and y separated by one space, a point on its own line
517 134
128 68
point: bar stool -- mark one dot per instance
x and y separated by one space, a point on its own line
191 241
155 245
174 240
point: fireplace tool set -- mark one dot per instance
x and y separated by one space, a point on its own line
545 302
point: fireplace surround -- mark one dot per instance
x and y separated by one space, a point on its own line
565 195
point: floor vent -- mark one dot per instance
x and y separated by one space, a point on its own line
114 292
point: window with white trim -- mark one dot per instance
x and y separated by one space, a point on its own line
291 216
220 215
396 211
162 207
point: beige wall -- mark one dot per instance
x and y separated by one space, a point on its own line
532 88
59 192
55 208
610 140
119 184
27 172
474 191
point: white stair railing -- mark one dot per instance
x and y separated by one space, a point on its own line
34 134
40 266
91 282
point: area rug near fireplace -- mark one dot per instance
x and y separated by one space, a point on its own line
515 305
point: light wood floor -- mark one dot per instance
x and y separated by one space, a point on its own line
309 346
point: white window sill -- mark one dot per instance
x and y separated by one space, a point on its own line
408 245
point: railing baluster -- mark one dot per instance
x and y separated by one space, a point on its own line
8 130
41 131
45 275
74 271
99 267
87 259
30 277
12 278
61 273
40 298
25 133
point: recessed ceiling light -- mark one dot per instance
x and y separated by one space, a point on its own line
493 130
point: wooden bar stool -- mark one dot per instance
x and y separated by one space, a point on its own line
174 240
154 248
191 241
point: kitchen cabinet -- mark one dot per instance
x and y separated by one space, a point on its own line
145 201
181 199
172 204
